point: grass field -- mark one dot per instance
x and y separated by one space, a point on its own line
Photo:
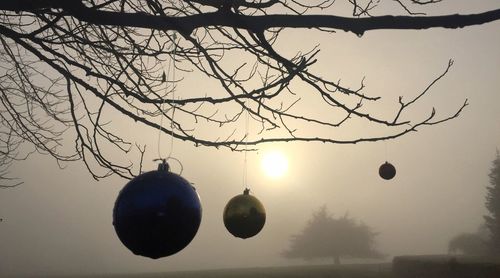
320 271
433 266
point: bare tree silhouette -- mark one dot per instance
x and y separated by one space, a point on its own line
69 67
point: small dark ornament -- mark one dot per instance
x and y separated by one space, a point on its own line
157 213
387 171
244 215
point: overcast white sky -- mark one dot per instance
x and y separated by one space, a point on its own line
59 221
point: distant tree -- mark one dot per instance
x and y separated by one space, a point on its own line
493 206
325 236
470 243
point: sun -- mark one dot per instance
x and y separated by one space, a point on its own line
274 164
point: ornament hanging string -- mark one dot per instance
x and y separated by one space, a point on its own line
385 145
245 161
166 79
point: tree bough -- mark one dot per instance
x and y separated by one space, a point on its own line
67 65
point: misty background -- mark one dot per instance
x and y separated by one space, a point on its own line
60 221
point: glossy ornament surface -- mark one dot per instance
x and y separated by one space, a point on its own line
244 215
387 171
157 213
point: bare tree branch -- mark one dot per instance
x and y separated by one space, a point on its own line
70 68
187 24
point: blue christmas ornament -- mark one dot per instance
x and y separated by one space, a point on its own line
157 213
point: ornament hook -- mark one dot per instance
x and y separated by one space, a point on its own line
164 166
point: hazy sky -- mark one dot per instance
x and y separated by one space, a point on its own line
59 221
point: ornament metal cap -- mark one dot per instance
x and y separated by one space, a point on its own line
163 165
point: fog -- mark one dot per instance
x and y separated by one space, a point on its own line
60 221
